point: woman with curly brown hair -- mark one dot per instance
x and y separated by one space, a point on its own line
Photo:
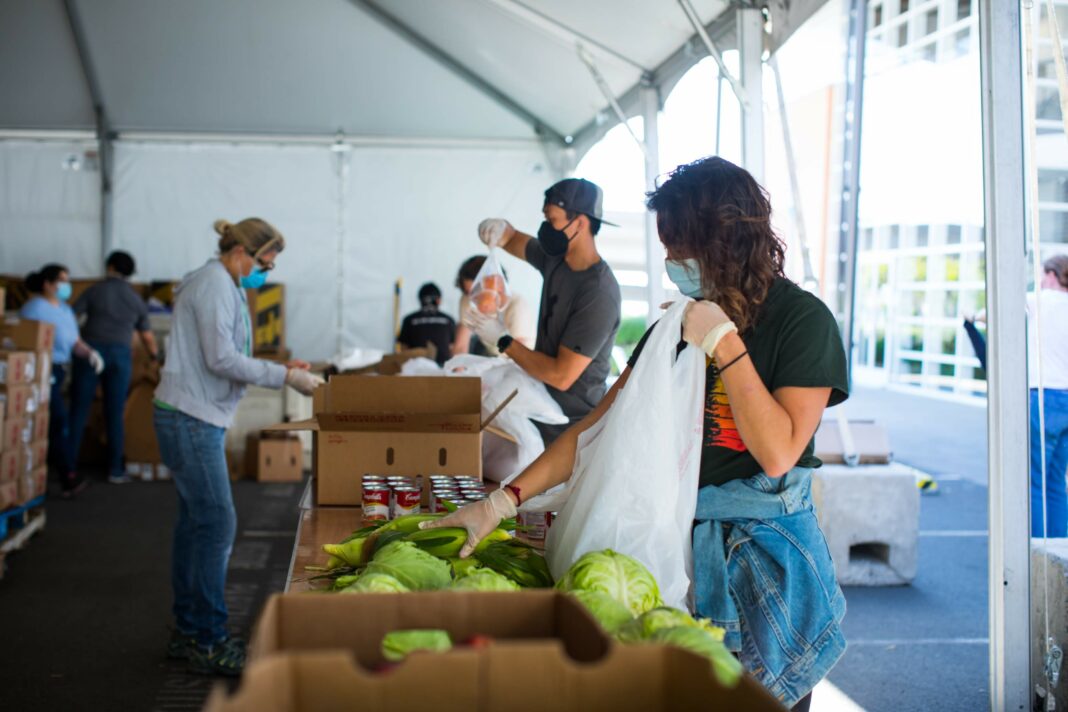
762 569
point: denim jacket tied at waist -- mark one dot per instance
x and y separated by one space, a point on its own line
759 540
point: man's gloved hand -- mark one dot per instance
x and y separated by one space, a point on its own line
302 381
489 328
479 518
96 361
495 232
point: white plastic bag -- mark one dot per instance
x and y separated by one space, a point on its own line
634 487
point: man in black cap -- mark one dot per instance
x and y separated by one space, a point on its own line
580 300
429 325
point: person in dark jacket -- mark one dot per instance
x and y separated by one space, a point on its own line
429 325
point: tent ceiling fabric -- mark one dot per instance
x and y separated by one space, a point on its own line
319 66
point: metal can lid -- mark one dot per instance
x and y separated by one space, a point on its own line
406 489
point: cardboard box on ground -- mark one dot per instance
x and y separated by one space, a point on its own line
274 457
544 651
380 425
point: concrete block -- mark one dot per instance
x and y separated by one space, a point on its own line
871 518
1055 556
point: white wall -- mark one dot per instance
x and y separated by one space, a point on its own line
406 212
49 211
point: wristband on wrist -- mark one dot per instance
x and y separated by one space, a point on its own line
518 495
733 361
712 339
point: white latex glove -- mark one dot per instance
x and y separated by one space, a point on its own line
705 325
302 381
96 361
489 328
478 518
495 232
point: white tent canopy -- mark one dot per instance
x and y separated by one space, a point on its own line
374 133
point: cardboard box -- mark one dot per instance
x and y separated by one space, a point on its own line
9 494
391 426
43 372
870 442
267 308
33 485
33 456
40 422
274 459
316 653
17 367
19 401
141 444
16 432
27 335
9 465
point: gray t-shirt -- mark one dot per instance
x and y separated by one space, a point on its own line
579 310
114 310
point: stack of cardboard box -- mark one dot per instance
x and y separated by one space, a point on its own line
25 389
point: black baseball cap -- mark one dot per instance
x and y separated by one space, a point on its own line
429 292
578 195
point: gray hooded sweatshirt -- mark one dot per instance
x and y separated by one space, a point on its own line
208 363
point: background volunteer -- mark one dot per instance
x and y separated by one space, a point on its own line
429 325
519 318
112 312
1052 295
209 362
51 289
776 361
580 301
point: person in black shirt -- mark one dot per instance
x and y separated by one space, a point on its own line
429 325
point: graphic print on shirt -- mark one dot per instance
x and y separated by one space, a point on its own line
720 428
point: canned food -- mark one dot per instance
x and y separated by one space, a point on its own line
462 478
533 525
376 503
439 494
458 501
404 501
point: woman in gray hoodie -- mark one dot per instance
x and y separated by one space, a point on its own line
208 364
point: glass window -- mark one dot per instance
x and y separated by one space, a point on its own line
867 239
1052 185
894 240
1048 103
912 338
902 34
962 41
950 304
880 348
952 268
928 52
953 234
1053 226
945 369
876 16
931 22
913 269
964 8
1062 21
917 302
922 235
904 7
910 366
949 341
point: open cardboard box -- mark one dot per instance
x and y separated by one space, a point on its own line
382 425
315 653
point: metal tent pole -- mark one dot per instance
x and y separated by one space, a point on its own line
1001 71
654 251
750 24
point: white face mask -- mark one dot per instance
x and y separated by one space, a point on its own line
686 274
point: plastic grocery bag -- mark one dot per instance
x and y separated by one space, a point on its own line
634 486
490 293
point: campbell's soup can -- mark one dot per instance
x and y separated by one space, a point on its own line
404 501
441 478
438 494
458 501
534 525
376 502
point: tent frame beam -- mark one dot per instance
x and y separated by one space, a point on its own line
105 134
541 127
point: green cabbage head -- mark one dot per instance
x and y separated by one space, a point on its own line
610 613
399 644
618 575
410 565
376 582
725 666
484 580
647 624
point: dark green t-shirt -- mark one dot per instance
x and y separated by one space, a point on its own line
794 342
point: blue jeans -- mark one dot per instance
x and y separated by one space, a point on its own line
118 364
58 426
204 533
1056 402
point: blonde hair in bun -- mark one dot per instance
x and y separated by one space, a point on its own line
254 234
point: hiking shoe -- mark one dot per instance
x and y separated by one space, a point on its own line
180 645
119 479
227 657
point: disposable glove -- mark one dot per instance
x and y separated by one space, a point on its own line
705 325
302 381
489 328
96 361
495 232
478 518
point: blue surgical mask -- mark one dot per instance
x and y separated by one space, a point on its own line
686 274
255 279
63 291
